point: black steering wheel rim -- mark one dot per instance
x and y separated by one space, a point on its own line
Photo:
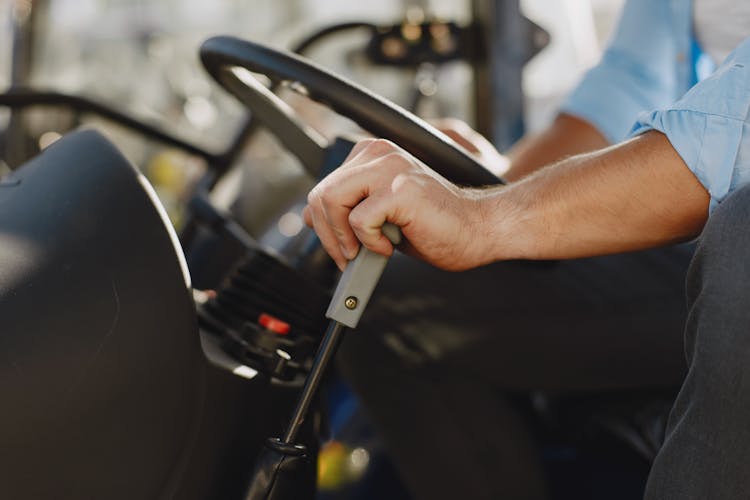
373 113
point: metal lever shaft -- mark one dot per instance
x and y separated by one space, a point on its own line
349 300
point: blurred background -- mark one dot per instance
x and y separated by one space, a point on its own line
140 58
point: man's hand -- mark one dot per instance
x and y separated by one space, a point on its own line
380 182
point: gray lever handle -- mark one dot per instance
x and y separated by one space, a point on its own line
358 281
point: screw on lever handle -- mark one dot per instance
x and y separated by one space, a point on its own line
359 280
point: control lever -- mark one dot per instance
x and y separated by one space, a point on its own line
282 466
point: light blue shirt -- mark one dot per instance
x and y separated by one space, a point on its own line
646 77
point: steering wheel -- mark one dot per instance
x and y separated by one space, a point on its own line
231 60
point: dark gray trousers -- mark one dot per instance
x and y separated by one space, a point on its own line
437 352
706 453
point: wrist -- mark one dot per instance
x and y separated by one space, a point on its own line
506 229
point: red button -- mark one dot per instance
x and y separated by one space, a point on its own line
274 324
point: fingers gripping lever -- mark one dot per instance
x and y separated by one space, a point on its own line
282 463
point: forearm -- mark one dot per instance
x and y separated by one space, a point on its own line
635 195
565 136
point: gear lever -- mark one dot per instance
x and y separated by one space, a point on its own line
282 461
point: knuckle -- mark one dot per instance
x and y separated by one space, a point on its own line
313 197
404 184
398 161
324 198
329 203
380 146
322 194
356 220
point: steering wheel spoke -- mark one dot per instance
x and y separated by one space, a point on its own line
304 142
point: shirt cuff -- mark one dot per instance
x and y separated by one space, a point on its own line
707 128
708 144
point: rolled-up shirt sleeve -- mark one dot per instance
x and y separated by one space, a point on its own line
636 71
709 127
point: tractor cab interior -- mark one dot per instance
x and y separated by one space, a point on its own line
144 357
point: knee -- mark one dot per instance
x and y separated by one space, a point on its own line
721 265
718 290
731 214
